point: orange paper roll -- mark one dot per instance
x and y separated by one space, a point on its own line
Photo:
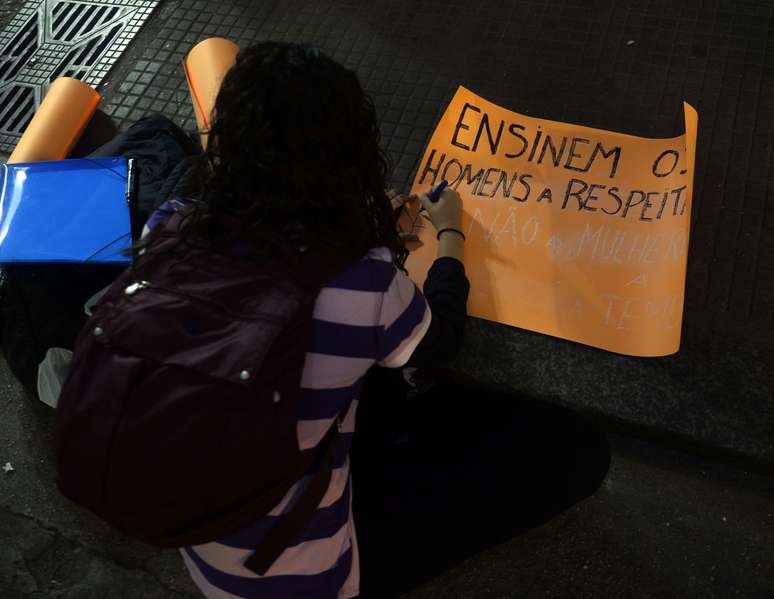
571 231
58 123
205 67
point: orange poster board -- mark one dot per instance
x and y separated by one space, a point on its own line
58 123
571 231
205 68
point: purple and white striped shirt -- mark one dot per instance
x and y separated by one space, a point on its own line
370 313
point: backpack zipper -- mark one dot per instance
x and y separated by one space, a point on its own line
134 287
138 285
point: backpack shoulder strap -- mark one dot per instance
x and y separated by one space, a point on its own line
294 521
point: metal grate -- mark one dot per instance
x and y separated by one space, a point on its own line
21 48
72 20
53 38
18 105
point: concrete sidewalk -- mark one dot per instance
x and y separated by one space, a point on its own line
619 65
664 525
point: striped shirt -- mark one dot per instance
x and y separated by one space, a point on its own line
371 313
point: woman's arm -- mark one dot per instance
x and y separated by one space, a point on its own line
446 286
446 290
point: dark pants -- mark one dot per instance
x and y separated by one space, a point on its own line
100 130
443 476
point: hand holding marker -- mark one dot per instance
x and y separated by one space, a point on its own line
436 193
444 216
447 215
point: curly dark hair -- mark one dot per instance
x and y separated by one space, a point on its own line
294 157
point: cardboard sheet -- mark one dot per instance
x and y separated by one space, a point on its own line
205 67
58 123
571 231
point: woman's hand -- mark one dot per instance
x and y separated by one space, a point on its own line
399 199
406 210
446 213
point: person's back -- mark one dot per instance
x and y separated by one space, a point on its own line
293 169
369 313
294 157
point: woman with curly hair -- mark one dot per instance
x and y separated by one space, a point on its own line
293 157
293 168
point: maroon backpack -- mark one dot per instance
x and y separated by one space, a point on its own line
177 423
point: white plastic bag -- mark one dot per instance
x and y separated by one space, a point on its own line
52 373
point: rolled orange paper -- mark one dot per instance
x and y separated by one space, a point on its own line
58 123
205 67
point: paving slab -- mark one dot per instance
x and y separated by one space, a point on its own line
664 524
623 66
619 65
